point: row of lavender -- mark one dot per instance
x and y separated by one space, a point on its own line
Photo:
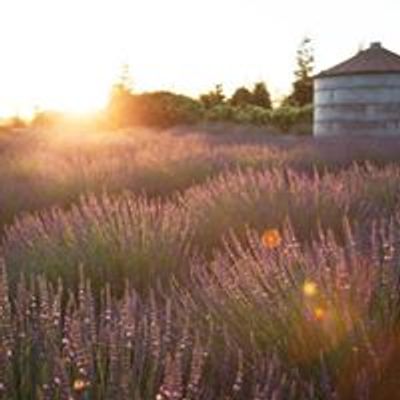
148 240
43 169
266 319
126 349
203 304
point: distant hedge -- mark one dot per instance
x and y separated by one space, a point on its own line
284 119
293 119
158 109
165 109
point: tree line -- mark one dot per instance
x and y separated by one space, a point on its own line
300 96
253 105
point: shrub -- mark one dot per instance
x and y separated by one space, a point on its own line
245 114
284 119
156 109
252 115
112 238
261 96
241 97
292 119
220 113
164 109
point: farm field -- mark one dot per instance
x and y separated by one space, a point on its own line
215 262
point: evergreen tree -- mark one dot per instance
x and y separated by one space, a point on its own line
121 99
302 93
261 96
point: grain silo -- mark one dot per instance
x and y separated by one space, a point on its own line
360 95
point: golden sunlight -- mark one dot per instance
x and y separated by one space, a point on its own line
319 313
65 55
310 288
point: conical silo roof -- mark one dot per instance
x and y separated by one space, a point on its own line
374 60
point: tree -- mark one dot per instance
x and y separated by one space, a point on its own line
261 96
125 78
213 98
123 87
302 92
121 99
241 97
163 109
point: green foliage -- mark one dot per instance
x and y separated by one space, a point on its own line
164 109
213 98
220 113
241 97
287 118
161 109
158 109
284 118
254 108
302 92
245 114
261 96
252 115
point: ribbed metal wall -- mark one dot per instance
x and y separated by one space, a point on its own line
357 104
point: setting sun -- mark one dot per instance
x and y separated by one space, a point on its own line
66 54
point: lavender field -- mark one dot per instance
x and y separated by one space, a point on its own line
216 263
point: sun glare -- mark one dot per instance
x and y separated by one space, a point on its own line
310 289
65 55
319 313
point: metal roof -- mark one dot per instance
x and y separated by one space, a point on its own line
375 60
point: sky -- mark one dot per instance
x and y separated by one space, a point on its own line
66 54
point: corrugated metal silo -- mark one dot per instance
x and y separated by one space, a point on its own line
360 95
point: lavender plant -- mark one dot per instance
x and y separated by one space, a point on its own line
128 349
39 169
128 236
236 267
267 319
113 238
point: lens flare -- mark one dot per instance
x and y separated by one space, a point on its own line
319 313
310 288
80 385
271 239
